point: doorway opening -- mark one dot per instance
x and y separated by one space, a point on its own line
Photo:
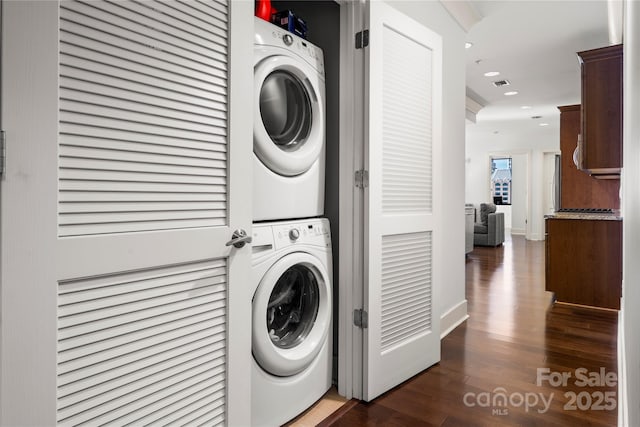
501 180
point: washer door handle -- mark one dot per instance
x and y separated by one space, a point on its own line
239 239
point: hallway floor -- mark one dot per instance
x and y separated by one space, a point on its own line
519 360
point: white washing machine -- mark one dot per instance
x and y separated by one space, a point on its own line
289 125
291 320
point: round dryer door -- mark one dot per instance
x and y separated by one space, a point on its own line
289 115
291 314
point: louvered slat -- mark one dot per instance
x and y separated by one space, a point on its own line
88 21
167 143
104 381
143 116
406 287
148 74
407 133
212 30
133 152
132 345
98 197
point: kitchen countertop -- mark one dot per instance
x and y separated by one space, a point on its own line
615 216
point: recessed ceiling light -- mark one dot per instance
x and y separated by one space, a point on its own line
544 124
492 73
511 93
467 45
526 107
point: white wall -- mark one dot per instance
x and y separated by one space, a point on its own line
450 294
520 193
506 210
482 143
630 315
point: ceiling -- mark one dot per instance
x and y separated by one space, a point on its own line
533 45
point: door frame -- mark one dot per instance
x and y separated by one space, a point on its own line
527 208
351 200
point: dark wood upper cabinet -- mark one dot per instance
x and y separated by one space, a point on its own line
580 190
601 139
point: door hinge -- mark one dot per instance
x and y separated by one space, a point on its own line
3 140
362 178
360 318
362 39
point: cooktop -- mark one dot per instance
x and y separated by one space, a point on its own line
587 210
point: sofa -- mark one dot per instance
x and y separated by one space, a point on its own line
490 230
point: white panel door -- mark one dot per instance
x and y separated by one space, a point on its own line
403 70
128 169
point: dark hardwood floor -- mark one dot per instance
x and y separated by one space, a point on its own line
513 336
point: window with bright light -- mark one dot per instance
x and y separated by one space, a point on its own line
501 180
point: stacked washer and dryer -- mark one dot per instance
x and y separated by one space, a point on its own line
291 258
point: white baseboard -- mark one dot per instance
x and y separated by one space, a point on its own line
518 231
622 372
452 318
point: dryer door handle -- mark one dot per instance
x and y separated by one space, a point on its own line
239 239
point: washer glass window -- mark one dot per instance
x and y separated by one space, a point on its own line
285 108
293 307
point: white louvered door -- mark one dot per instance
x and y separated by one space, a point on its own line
128 169
403 75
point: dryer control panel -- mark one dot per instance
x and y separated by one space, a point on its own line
271 35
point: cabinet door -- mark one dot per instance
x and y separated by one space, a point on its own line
127 158
584 261
602 110
580 190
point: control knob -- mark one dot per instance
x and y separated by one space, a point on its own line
294 234
287 39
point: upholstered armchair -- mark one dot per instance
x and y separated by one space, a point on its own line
490 230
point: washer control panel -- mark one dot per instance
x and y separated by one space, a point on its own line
310 232
288 235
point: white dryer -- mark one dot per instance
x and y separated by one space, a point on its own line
289 125
291 319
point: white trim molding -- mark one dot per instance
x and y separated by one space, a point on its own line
453 318
615 20
471 109
351 201
623 413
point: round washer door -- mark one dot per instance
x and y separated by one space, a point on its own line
291 314
289 114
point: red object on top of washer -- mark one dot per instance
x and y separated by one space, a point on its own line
264 10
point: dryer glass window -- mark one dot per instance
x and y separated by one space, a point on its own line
293 307
285 109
